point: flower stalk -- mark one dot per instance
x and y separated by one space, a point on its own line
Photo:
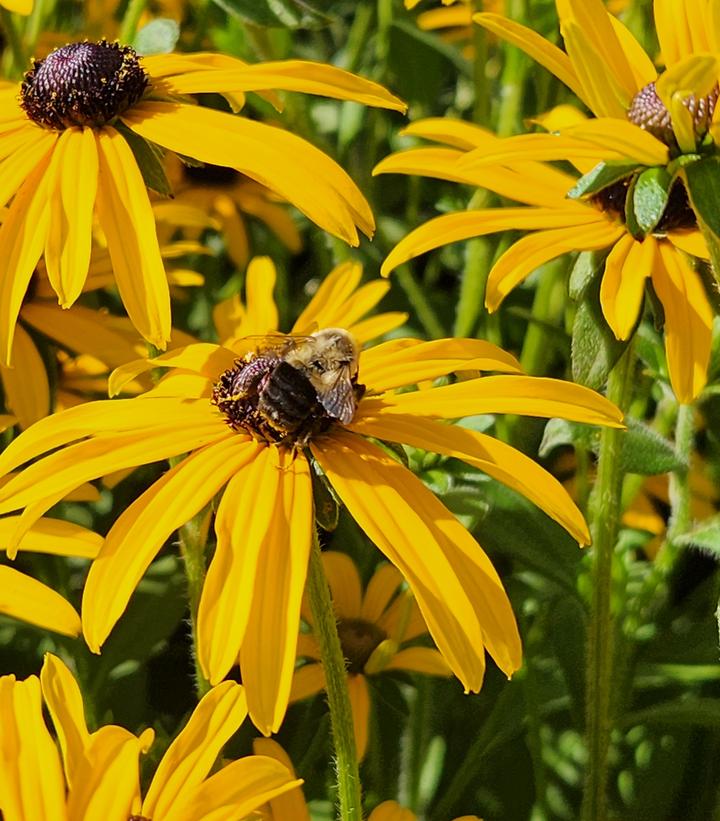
605 509
333 661
131 20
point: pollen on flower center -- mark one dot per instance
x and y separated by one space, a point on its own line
82 84
292 388
649 112
358 639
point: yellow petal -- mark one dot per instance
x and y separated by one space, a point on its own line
642 67
455 585
145 525
55 537
191 755
420 660
344 581
67 247
128 222
26 386
623 282
534 250
31 781
267 656
236 791
308 680
376 326
501 461
260 317
523 395
22 237
402 362
360 706
22 152
290 805
380 590
334 291
289 75
692 242
688 322
673 32
18 6
22 597
620 138
391 811
537 47
283 162
64 701
466 224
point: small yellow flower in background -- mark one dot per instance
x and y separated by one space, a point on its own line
561 225
261 450
228 198
27 599
373 627
95 776
82 113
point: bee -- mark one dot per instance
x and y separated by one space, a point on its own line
292 387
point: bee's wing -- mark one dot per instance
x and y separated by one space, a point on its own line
338 399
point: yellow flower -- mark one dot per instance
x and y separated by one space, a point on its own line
82 114
95 776
373 627
562 225
291 805
392 811
18 6
25 598
262 451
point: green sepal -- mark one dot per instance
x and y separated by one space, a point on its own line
646 452
149 158
650 193
588 266
702 180
603 175
288 14
327 505
159 36
704 537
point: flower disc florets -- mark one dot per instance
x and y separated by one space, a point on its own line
83 84
292 388
359 639
648 111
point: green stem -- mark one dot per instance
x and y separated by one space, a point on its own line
681 517
130 21
34 25
333 661
421 304
193 540
605 506
20 58
546 310
481 107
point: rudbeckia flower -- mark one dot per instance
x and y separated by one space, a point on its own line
87 111
225 406
95 776
561 225
373 627
29 600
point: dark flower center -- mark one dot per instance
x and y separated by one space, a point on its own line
83 84
649 112
215 175
358 639
677 216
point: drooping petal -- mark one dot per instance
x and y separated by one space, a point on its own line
623 283
456 587
402 362
345 586
143 527
360 706
53 536
267 656
688 322
523 395
283 162
27 390
31 781
420 660
191 755
497 459
128 222
534 250
27 599
64 701
236 791
67 247
22 152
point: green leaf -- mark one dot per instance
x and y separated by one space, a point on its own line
645 452
587 267
149 158
631 222
702 711
327 507
560 432
157 37
703 187
290 14
649 198
705 537
594 347
566 627
603 175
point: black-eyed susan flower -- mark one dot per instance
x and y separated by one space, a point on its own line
376 627
561 225
225 406
94 776
84 110
29 600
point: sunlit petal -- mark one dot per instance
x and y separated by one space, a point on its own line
22 597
